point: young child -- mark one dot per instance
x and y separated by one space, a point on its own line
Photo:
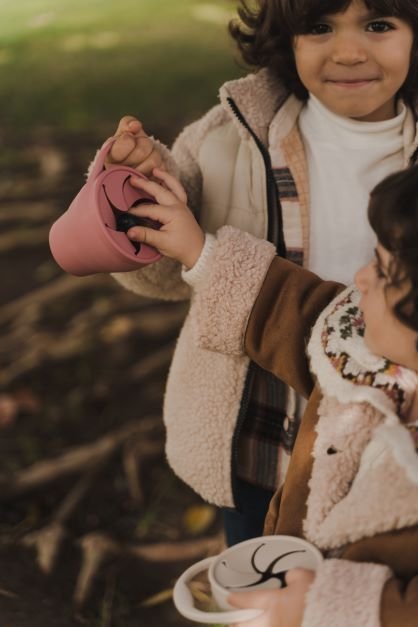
352 484
290 155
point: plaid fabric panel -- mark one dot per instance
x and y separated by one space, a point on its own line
262 431
269 429
286 186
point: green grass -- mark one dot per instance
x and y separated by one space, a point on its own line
79 65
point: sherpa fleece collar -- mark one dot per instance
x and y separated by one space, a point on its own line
345 367
258 97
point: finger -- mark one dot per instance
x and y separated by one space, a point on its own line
145 235
171 183
143 148
154 160
127 124
162 195
158 213
123 146
297 574
257 599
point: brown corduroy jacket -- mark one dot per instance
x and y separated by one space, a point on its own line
367 527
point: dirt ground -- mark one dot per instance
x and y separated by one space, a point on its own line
93 523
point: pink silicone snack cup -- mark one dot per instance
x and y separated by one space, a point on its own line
84 240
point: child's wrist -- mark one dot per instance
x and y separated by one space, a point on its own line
194 251
196 273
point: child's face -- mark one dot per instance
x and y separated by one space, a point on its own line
385 335
355 62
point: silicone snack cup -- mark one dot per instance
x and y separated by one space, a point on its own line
259 563
85 240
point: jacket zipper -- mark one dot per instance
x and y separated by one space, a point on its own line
275 235
275 220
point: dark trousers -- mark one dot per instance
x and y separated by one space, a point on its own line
248 520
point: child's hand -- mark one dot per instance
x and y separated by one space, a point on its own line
282 608
133 147
180 236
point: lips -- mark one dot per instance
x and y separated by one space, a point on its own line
350 81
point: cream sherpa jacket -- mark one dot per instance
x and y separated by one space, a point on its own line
353 486
224 172
219 161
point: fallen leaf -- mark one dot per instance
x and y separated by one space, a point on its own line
159 598
116 329
198 518
200 591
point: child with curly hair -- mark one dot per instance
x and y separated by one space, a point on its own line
290 155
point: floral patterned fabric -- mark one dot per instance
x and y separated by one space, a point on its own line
342 339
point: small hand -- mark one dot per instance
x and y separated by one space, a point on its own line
180 236
282 607
133 147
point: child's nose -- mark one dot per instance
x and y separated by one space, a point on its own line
361 278
349 50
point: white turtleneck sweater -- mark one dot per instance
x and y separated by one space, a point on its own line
346 159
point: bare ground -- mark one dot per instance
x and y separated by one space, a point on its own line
93 523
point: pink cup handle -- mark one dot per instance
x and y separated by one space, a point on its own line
183 600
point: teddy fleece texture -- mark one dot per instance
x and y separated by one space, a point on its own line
199 435
231 190
364 478
345 594
228 190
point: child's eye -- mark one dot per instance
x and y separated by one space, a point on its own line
379 26
319 29
378 270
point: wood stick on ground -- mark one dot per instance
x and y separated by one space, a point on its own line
48 541
134 455
74 461
96 549
55 289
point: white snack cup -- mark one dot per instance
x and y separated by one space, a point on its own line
255 564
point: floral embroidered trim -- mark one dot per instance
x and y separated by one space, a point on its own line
343 344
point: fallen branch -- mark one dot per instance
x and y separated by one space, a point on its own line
98 548
178 551
156 361
23 239
65 284
74 461
30 212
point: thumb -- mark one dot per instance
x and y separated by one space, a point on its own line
146 235
296 575
257 599
135 127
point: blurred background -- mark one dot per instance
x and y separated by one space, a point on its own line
94 526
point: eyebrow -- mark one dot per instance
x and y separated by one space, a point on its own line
364 17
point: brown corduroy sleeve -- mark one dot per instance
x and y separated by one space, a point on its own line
399 550
399 607
279 326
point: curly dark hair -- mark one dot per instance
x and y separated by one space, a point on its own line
266 29
393 215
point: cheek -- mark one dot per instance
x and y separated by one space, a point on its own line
307 72
400 60
304 60
372 309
